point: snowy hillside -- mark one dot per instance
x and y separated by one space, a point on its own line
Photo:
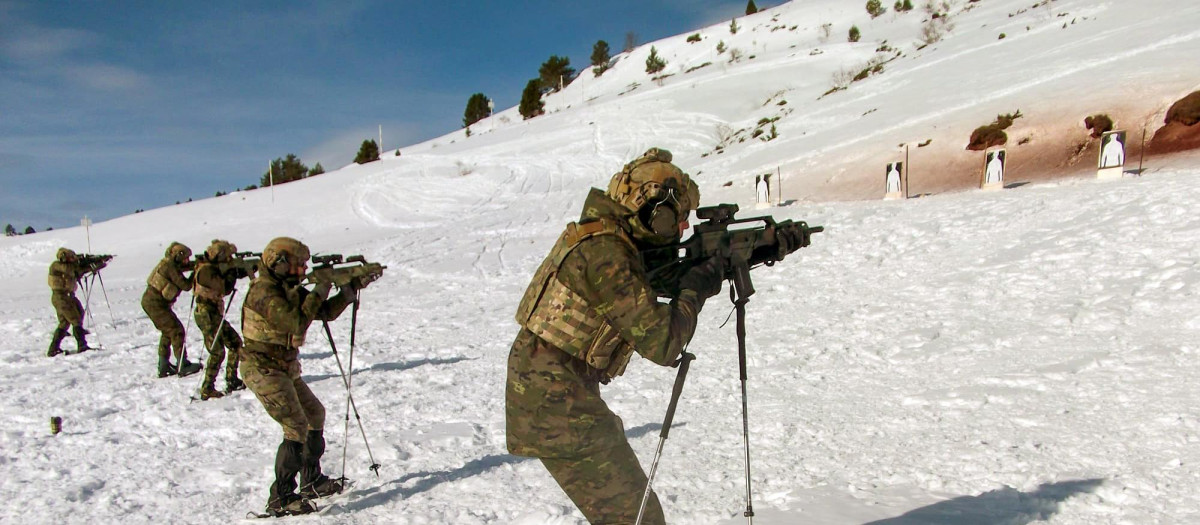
967 357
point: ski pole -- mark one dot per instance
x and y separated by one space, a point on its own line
682 363
740 293
216 335
349 381
106 303
374 466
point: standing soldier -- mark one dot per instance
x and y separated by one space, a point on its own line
163 286
65 273
275 317
588 308
212 286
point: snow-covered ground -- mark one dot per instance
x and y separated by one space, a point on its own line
969 357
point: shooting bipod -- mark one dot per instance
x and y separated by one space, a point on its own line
739 292
350 397
684 360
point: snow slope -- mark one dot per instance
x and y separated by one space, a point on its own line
969 357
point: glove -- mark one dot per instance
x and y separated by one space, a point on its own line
791 239
322 290
704 279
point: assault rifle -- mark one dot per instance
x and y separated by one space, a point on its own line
93 262
343 271
245 263
740 248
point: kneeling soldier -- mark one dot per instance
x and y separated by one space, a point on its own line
275 317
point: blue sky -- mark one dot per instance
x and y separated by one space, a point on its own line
107 107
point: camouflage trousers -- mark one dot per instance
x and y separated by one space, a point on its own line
287 399
606 486
164 319
554 412
68 309
218 336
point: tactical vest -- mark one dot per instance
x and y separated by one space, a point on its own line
255 327
161 283
207 292
561 317
59 279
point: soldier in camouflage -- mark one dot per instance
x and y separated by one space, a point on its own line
275 317
588 308
163 286
212 285
65 274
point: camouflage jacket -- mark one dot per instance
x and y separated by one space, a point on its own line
276 316
166 282
553 403
64 277
212 285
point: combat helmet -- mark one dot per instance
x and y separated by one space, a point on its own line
66 255
220 250
284 253
658 193
178 252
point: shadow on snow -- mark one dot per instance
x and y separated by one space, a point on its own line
1006 506
386 367
428 480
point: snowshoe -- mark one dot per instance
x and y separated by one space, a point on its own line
324 486
294 506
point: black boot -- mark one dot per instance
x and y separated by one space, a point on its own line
283 500
186 368
208 392
165 368
56 341
314 484
80 338
233 384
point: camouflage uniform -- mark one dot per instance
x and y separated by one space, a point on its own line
65 274
587 309
275 318
163 286
212 285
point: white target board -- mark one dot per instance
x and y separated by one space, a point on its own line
993 170
762 191
892 176
1112 155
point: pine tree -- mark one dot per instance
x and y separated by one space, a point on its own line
477 109
751 8
854 34
368 152
316 170
875 8
284 170
600 57
654 63
9 231
531 100
555 71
